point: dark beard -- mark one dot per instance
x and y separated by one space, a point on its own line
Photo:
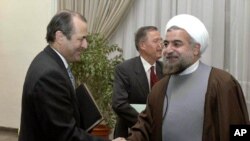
175 68
169 70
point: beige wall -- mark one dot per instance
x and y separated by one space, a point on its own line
22 35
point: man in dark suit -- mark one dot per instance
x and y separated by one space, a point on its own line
50 110
133 78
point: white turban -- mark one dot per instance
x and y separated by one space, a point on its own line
193 26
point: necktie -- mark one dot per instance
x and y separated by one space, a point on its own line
153 76
71 77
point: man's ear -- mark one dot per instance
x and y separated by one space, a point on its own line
59 36
197 48
142 45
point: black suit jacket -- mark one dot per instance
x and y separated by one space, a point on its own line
130 87
50 110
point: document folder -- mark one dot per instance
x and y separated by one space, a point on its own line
89 111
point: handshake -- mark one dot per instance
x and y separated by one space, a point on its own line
119 139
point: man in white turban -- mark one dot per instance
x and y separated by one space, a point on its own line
194 101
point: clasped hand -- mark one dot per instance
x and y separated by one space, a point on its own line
119 139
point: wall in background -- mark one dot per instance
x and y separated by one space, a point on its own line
22 35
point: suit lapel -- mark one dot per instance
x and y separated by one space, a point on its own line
55 56
59 61
141 76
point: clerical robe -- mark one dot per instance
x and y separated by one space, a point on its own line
224 105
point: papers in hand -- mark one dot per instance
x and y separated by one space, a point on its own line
138 107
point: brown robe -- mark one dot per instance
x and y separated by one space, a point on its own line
224 105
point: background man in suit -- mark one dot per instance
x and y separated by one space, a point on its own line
194 101
49 106
132 78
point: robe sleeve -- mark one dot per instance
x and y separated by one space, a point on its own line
149 124
225 105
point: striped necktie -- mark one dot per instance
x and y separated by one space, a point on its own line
71 77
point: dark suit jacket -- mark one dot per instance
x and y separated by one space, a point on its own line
49 108
130 87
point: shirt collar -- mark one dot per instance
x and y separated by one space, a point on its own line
63 59
190 69
145 64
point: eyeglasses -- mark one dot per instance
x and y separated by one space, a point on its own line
159 41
